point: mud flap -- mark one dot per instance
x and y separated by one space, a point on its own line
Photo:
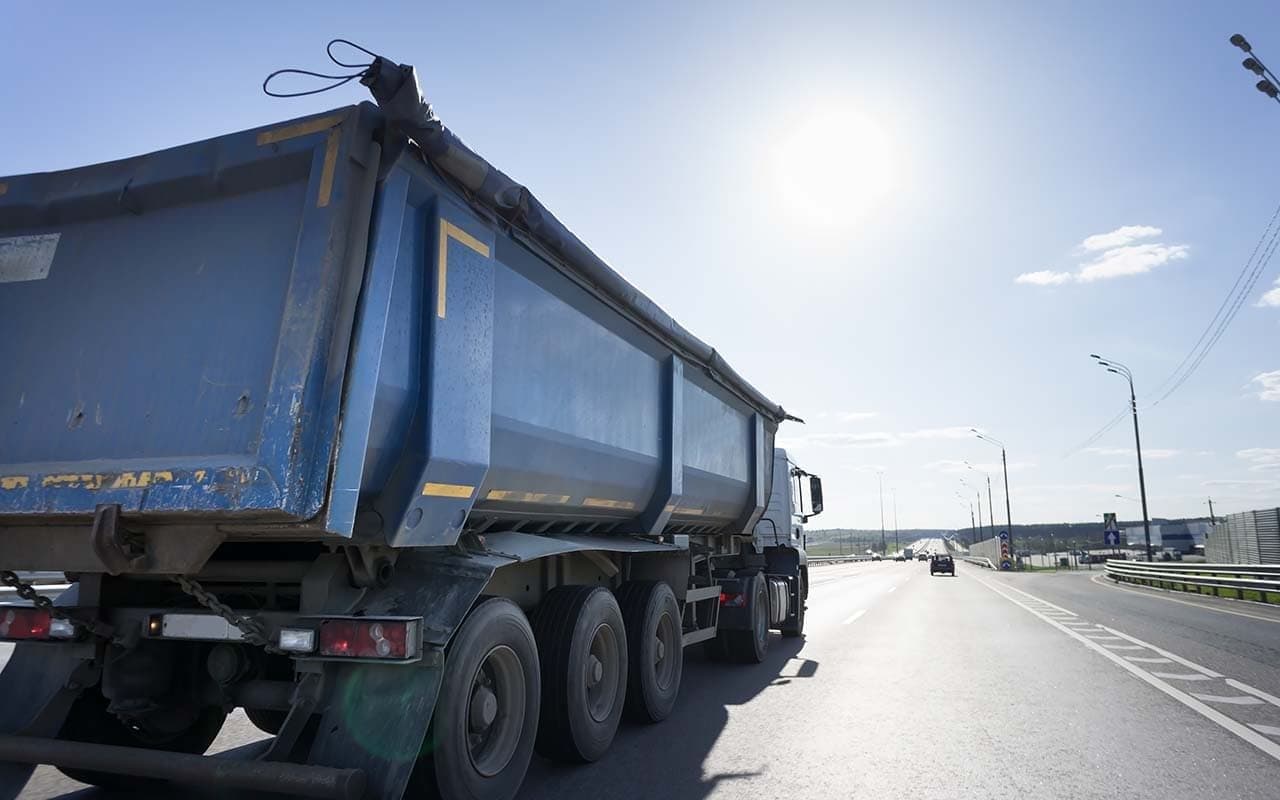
37 697
378 715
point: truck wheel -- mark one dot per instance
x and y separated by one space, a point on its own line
582 645
751 646
656 656
90 721
484 725
795 628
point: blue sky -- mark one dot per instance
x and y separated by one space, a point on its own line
840 197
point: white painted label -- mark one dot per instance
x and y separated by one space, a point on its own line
27 258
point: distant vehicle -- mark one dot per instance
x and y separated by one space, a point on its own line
877 557
899 557
907 552
922 557
942 563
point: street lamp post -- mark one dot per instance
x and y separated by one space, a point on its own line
969 486
894 492
973 531
1004 464
880 479
991 512
1123 371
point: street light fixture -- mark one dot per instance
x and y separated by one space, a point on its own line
977 492
1116 367
1269 83
1004 465
880 480
973 536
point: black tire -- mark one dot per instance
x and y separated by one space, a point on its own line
751 646
577 627
267 720
794 628
90 721
491 679
655 660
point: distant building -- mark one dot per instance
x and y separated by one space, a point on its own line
1180 536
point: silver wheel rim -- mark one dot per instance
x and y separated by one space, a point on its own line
600 673
664 652
494 713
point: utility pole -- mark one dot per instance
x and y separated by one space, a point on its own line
1004 464
1123 371
1212 519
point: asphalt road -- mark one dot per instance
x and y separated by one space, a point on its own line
980 686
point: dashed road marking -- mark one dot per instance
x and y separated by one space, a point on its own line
1234 699
1182 676
1158 594
1144 660
1244 687
1122 646
1191 700
854 616
1269 730
1184 662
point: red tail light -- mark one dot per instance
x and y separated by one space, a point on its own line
393 639
17 622
733 599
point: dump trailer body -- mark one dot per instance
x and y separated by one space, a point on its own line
285 330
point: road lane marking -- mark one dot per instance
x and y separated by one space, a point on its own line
1184 662
891 588
854 616
1145 660
1100 636
1234 699
1038 600
1182 676
1159 594
1122 646
1244 687
1187 699
1270 730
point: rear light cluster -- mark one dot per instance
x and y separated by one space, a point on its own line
733 599
366 638
32 624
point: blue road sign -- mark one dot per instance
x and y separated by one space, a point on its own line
1112 538
1004 536
1006 565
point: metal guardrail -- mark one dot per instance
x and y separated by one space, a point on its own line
820 560
1259 578
981 561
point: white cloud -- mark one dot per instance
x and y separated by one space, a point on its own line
854 416
1131 260
1115 254
993 469
1261 458
1118 466
877 439
1268 384
1125 234
954 432
1237 483
1271 298
1044 277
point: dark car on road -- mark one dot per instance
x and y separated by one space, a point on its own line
942 563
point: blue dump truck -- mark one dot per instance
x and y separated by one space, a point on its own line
334 422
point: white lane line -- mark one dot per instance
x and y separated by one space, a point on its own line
1208 712
1270 730
1097 637
1235 699
1143 660
1122 646
1182 676
1159 594
1184 662
1244 687
854 616
891 588
1042 602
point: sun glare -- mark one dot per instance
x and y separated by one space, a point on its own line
835 167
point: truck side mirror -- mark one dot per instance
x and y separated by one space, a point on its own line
815 495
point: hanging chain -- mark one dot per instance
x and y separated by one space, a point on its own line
254 631
29 593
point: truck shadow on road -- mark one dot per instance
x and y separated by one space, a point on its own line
666 760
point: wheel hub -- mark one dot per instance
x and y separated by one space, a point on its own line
659 650
595 671
484 708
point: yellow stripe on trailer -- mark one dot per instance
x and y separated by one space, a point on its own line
447 490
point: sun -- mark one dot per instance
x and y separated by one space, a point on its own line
835 167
